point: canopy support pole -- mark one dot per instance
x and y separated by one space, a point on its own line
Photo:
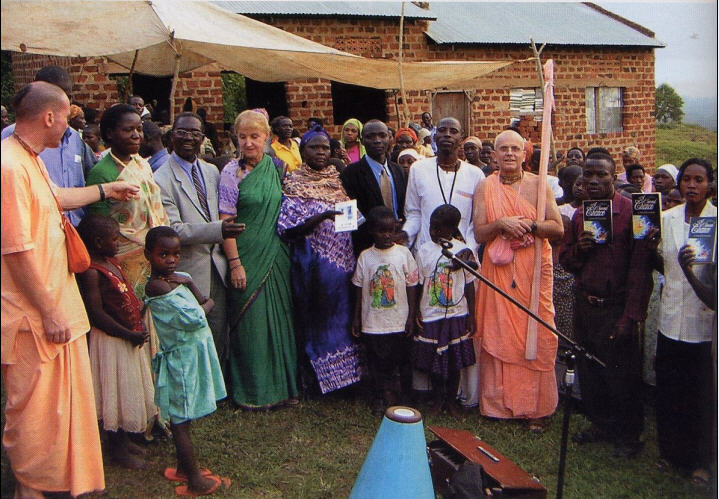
128 87
405 106
174 87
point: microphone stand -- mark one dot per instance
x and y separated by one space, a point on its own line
575 351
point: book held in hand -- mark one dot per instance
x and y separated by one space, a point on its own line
702 238
646 213
348 219
598 219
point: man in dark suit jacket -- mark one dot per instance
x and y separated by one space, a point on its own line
363 180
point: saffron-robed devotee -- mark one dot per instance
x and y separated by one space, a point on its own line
51 435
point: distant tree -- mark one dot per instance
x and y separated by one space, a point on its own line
668 105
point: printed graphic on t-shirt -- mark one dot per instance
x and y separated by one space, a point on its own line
440 286
381 288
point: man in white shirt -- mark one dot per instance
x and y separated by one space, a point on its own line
444 179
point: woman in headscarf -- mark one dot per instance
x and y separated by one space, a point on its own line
665 178
263 355
352 139
424 143
407 158
322 263
121 130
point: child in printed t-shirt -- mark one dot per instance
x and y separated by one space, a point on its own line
187 371
119 361
386 274
443 343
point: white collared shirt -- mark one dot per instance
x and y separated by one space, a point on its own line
683 316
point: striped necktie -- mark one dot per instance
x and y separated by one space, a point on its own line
200 191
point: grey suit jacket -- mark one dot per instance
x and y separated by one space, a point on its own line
201 238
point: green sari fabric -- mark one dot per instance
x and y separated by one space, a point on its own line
263 354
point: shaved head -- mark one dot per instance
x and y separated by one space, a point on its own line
36 98
505 134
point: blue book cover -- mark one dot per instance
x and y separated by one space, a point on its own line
598 219
702 238
646 213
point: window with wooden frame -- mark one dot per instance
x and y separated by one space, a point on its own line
604 107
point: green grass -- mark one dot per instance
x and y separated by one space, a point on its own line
678 143
315 450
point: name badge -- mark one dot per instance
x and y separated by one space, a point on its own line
78 159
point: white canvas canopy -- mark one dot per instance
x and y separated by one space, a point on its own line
177 35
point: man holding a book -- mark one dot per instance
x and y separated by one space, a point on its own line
613 276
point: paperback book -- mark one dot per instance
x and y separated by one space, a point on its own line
598 219
702 238
646 213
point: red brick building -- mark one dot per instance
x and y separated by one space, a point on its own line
604 69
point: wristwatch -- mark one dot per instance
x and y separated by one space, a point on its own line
533 228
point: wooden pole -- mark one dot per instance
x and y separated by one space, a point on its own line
175 75
405 105
530 352
538 63
128 87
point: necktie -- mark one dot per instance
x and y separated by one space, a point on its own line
200 192
386 188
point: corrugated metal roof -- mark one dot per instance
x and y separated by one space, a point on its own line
318 9
545 22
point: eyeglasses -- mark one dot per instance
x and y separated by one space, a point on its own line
188 134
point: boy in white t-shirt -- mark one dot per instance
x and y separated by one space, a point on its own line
385 306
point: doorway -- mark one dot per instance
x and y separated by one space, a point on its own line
454 104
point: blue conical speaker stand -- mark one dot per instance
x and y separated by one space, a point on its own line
396 466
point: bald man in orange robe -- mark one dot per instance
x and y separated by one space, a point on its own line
505 220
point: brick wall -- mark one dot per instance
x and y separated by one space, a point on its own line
575 69
93 87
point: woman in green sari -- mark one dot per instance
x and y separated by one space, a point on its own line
263 354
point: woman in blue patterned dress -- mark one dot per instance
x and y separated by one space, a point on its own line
322 263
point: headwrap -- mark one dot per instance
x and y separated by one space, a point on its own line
671 170
408 131
632 153
474 140
312 133
358 125
409 152
75 111
423 133
322 185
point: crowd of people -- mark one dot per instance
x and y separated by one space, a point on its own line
216 271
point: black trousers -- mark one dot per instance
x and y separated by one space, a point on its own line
386 355
611 396
686 406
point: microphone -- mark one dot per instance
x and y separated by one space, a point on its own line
446 245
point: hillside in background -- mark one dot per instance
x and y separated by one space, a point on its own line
678 143
701 111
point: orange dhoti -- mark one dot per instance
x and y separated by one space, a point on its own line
51 434
510 385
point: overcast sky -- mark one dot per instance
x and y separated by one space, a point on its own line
689 30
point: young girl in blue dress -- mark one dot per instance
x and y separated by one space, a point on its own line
187 371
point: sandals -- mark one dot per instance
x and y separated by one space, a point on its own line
537 425
172 474
224 482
